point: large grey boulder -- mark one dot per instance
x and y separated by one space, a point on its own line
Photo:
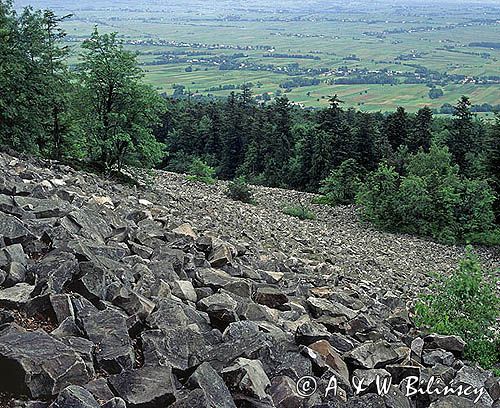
221 308
38 364
16 296
107 329
13 230
216 393
449 343
247 379
372 355
146 387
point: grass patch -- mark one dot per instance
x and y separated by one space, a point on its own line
300 211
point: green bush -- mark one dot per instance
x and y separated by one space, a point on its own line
300 211
239 190
342 184
378 195
200 171
489 238
431 200
464 305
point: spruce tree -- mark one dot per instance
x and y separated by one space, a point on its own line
421 133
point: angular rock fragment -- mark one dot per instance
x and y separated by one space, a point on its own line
107 329
247 379
13 230
221 308
449 343
310 332
284 394
215 391
323 307
38 364
372 355
331 358
271 297
146 387
75 397
220 255
16 296
184 290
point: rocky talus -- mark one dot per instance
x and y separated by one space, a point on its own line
168 294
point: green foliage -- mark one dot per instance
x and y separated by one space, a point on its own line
489 238
465 305
432 199
300 211
35 84
239 190
118 112
200 171
343 183
378 196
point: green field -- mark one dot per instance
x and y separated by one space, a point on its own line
330 41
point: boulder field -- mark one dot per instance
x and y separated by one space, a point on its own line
166 293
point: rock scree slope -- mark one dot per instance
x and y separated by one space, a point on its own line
170 294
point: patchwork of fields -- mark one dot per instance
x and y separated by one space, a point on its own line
375 56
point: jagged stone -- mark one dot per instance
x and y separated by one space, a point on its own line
221 308
476 378
108 330
323 307
248 378
433 357
213 278
75 397
16 273
283 391
310 332
370 377
16 296
38 364
13 230
181 347
184 290
185 230
215 391
54 272
271 297
417 347
331 358
452 401
66 328
115 402
220 255
130 301
372 355
449 343
168 314
145 387
99 388
13 253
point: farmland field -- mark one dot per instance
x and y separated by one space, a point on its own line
375 55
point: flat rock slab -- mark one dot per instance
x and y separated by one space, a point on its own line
108 330
38 364
16 296
146 387
372 355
